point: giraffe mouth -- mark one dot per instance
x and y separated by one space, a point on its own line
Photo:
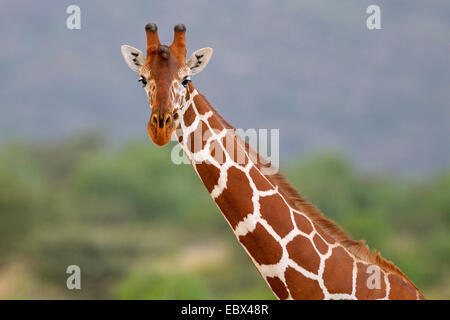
161 142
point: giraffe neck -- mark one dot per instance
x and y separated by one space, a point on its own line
297 258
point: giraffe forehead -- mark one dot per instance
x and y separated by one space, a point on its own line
166 75
174 66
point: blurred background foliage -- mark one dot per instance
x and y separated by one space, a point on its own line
142 228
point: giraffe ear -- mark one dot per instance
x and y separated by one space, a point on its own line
133 57
199 59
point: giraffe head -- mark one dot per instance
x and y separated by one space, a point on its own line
165 75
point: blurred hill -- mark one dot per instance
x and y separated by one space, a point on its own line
140 227
310 68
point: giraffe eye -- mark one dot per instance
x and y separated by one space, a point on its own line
143 81
185 81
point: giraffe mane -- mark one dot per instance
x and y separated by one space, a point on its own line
358 248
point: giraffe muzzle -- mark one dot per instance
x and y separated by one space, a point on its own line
160 128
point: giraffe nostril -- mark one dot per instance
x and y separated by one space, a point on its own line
168 119
159 121
155 120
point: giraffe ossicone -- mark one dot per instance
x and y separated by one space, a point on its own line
299 253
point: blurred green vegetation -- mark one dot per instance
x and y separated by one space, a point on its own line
142 228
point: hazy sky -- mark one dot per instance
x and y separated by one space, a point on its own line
310 68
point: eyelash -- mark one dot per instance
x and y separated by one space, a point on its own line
143 81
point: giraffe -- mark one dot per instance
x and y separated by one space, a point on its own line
298 251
